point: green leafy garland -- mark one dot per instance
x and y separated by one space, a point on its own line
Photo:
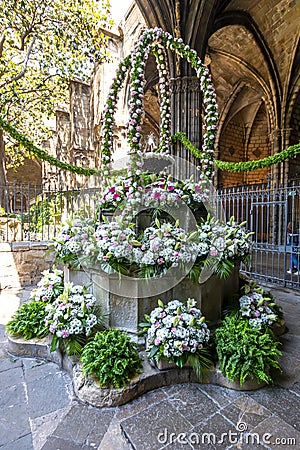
244 166
41 154
247 166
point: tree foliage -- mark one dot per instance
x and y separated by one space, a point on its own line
44 44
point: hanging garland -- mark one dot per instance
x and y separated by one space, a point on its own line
110 110
247 166
244 166
181 137
41 154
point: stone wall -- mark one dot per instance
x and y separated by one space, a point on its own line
232 149
23 262
258 147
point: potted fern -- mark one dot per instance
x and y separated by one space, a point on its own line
112 358
246 353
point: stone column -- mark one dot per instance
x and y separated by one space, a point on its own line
186 116
275 148
286 140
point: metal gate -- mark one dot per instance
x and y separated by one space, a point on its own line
267 211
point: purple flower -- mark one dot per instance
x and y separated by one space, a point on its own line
64 334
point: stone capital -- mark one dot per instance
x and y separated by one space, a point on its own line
185 84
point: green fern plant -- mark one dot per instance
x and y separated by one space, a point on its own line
29 321
112 357
246 352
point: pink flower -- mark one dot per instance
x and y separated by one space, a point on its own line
163 314
157 195
171 188
115 196
156 341
64 334
256 314
160 260
213 253
112 189
173 329
156 325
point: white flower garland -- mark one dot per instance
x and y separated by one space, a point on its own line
156 40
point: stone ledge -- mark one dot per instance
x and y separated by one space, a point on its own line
29 245
87 389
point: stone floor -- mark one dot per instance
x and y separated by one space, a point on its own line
38 409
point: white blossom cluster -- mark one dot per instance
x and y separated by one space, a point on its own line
257 309
72 312
130 196
229 241
177 328
165 245
110 240
73 235
49 287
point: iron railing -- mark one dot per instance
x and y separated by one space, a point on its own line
33 213
267 211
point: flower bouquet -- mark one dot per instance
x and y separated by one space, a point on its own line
110 247
49 287
71 319
162 247
259 307
177 332
69 242
221 246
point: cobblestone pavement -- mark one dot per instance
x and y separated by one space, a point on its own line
40 412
